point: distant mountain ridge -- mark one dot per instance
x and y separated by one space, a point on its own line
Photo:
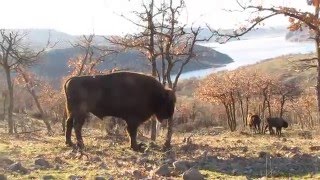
54 64
39 37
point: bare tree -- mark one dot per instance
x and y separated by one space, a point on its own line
163 38
31 82
90 56
144 41
177 47
15 52
298 20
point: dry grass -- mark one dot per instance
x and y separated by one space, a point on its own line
224 155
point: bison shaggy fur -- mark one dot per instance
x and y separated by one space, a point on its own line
133 97
254 122
276 122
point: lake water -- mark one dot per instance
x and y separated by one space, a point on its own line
251 51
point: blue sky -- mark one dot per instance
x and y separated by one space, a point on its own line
103 16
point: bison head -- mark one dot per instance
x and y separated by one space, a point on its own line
166 107
285 124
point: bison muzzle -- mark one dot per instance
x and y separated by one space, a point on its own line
131 96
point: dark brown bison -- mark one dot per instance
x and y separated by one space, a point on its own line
276 122
254 122
131 96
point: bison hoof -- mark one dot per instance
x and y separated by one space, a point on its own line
80 145
138 147
69 144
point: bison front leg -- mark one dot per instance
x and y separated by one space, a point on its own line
278 131
132 131
69 131
258 128
271 130
78 123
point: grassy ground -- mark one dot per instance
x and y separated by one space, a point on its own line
218 155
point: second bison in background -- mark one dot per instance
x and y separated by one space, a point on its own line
276 122
131 96
254 122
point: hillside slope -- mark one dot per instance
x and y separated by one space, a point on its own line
284 66
54 65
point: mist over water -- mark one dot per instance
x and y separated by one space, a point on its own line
251 51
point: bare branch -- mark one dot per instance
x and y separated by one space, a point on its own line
242 32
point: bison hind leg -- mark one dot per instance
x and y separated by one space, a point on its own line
69 131
78 123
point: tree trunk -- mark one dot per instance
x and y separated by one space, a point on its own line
167 144
35 98
247 110
153 118
153 63
318 70
4 105
283 100
242 111
10 108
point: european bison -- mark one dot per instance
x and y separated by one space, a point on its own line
131 96
254 122
276 122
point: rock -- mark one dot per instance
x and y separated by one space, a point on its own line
262 154
314 148
192 174
100 153
137 174
96 159
59 160
245 149
48 177
284 139
182 165
5 161
163 170
142 160
17 167
42 162
103 165
3 177
74 177
99 178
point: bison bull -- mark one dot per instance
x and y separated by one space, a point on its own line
276 122
254 122
131 96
